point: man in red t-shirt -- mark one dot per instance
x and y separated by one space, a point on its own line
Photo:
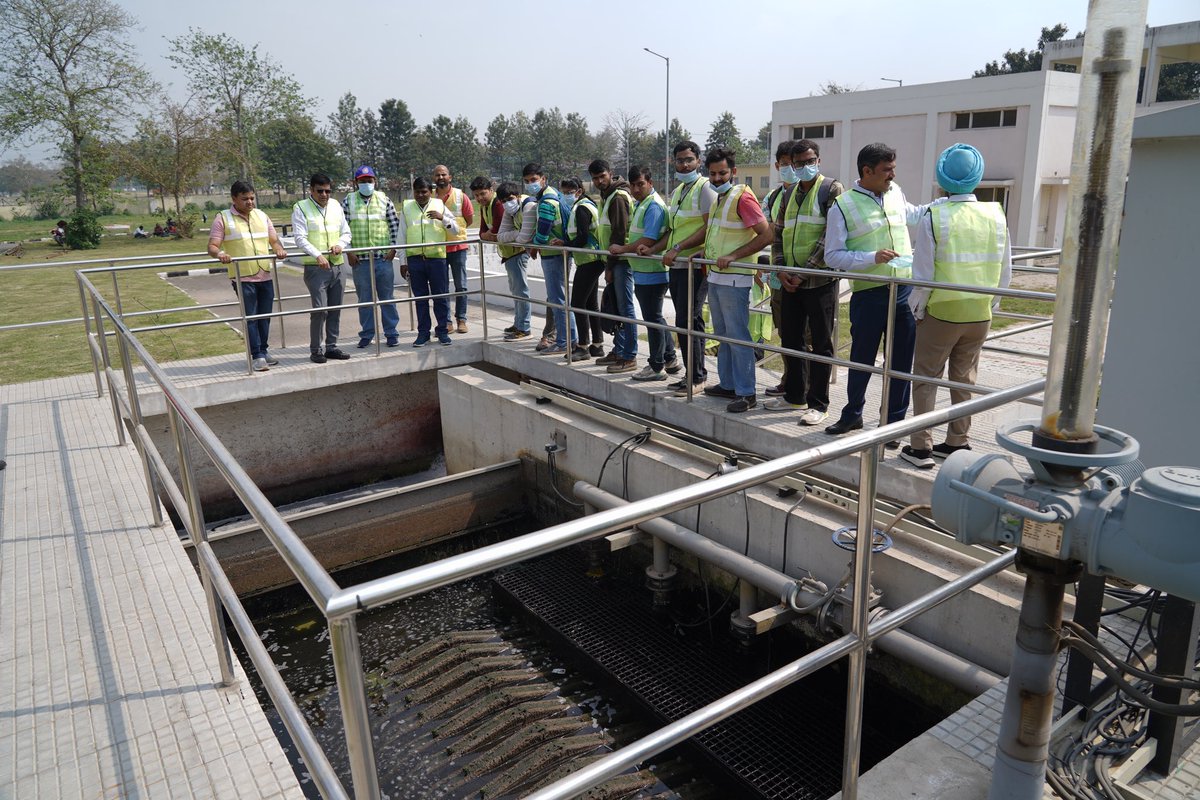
458 204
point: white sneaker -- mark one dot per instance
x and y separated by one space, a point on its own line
779 404
647 373
260 365
813 416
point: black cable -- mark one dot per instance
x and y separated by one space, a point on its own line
554 481
613 452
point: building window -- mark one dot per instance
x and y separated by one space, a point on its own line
764 182
993 194
997 118
813 131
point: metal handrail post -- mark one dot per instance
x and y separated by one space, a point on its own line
116 290
135 412
837 323
376 309
199 534
87 331
412 307
112 395
278 300
566 305
237 277
483 303
352 693
693 357
889 339
868 466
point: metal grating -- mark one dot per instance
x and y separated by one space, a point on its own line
789 746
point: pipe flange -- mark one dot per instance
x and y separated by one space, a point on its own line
742 629
846 538
661 581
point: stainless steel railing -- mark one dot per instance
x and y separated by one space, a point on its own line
341 605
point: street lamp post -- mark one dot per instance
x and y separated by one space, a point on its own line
894 80
666 124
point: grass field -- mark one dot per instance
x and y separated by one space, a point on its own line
26 229
50 293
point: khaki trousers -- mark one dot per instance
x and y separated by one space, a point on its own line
940 343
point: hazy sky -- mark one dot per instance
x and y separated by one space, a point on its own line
476 58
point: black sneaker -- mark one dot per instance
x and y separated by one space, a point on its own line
742 404
579 353
844 426
336 355
921 459
894 444
317 358
942 450
362 343
596 350
717 390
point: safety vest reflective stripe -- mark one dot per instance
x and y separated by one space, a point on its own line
246 237
604 227
454 203
870 227
969 242
637 231
418 227
573 229
368 220
726 231
685 216
802 228
324 229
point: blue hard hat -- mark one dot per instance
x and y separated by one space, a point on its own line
959 169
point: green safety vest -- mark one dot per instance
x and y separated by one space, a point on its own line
637 231
685 216
573 229
604 227
420 228
550 195
726 232
243 238
324 230
803 224
870 228
969 245
454 204
507 251
368 220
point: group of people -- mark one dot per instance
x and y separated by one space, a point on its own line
645 245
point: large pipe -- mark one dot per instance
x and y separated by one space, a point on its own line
942 664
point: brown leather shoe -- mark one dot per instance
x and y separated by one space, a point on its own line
462 326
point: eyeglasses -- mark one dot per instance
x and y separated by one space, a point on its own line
322 191
807 162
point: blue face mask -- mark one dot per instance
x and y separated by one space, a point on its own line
567 201
366 189
723 188
687 177
809 172
787 174
533 188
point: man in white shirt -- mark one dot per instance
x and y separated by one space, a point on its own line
320 227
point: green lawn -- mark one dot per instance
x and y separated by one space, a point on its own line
25 229
50 293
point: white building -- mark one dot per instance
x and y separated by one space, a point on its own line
1023 124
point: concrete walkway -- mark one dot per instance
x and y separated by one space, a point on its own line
107 664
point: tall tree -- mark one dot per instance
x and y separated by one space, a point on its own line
396 130
71 75
21 174
1023 60
629 129
368 140
763 139
497 140
450 142
345 129
834 87
292 149
577 143
550 140
173 144
724 133
247 88
1179 81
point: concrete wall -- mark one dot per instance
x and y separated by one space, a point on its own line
509 423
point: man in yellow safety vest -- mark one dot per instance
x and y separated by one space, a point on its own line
320 227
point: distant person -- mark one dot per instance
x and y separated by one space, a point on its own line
203 217
514 258
160 231
320 227
737 230
140 233
428 221
59 232
612 229
244 231
867 232
585 291
373 223
770 207
458 204
971 248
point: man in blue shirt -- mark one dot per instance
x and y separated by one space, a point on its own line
650 276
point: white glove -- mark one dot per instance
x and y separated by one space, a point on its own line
917 300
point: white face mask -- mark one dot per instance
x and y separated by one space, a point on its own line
510 206
366 188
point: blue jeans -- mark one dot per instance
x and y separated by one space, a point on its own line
257 297
729 307
518 286
458 272
385 286
868 321
679 296
552 271
662 344
429 276
625 340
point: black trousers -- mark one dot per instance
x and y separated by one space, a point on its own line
808 381
678 283
585 294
